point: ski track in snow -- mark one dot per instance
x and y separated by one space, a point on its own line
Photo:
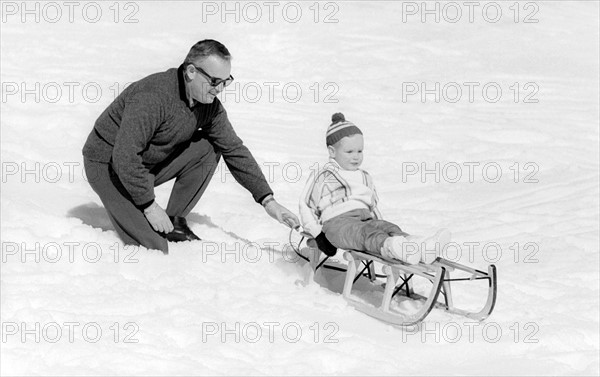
547 229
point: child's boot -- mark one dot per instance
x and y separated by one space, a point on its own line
398 247
431 247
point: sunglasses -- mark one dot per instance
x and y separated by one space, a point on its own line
213 81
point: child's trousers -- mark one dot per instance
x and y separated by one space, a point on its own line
358 230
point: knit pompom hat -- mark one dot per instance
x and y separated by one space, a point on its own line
340 128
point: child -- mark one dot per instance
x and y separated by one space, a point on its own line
338 206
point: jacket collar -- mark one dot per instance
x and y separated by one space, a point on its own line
184 89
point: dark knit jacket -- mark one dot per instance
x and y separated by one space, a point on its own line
150 120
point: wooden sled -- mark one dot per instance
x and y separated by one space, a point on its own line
397 283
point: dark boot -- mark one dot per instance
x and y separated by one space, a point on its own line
181 231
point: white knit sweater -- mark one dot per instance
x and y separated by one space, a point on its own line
332 191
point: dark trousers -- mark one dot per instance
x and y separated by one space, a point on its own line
357 230
192 166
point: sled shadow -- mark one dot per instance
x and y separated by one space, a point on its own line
329 277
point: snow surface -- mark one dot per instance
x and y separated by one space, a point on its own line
237 304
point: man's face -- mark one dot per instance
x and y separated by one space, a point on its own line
348 152
199 84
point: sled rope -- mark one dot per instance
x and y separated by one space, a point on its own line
297 251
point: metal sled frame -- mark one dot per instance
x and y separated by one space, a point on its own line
398 281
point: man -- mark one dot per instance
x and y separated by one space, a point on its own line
170 125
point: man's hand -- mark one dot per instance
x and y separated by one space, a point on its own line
280 213
158 218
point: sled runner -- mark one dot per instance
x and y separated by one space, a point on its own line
399 284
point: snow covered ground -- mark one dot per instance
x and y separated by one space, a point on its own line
506 156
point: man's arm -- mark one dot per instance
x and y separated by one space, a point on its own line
244 167
141 117
237 156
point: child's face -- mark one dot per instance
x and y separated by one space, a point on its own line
348 152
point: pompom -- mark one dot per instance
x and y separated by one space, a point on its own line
338 117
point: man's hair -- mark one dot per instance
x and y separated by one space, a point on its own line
206 48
